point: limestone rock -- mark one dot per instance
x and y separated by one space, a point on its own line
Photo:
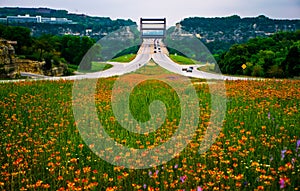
8 67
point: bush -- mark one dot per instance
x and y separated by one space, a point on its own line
258 71
69 72
48 61
34 56
275 71
56 60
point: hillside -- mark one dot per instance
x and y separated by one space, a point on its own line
221 32
83 25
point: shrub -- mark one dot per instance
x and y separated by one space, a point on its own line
257 71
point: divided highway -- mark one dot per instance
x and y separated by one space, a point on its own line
146 52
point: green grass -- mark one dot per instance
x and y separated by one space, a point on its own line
151 69
96 67
41 148
124 58
182 60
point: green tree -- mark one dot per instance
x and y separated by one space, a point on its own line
234 59
258 71
266 58
292 61
43 44
275 71
73 48
19 34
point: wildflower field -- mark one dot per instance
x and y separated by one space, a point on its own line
258 147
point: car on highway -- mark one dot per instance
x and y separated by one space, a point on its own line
189 69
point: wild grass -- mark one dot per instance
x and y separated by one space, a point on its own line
257 149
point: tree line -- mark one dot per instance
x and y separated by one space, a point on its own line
274 56
49 48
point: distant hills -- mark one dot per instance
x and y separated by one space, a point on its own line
95 27
221 32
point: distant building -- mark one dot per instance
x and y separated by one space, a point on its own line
35 19
24 19
3 20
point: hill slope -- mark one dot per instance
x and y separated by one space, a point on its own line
221 32
85 25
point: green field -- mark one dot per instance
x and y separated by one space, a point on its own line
96 67
258 148
182 60
124 58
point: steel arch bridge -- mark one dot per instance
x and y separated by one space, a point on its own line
153 28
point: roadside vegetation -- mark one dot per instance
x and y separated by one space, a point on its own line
49 48
275 56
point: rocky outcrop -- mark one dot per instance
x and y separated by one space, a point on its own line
8 67
25 65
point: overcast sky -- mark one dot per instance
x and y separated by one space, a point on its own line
173 10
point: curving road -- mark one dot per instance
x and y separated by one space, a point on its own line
146 52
